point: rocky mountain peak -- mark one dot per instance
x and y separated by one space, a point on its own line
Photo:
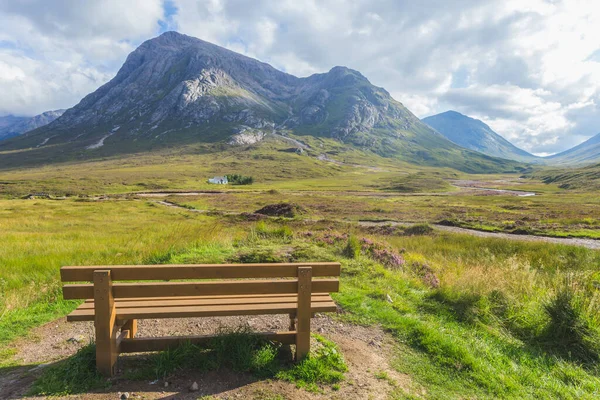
177 89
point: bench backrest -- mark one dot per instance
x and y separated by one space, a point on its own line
200 279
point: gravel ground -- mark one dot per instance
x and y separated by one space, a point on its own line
589 243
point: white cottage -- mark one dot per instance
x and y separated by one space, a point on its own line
219 180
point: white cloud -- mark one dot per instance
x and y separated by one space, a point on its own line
66 49
526 67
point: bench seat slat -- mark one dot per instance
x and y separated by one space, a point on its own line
125 313
197 271
203 301
219 311
224 296
222 287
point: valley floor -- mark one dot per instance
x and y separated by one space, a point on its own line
453 285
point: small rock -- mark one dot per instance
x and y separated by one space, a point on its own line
166 384
194 387
320 330
124 396
389 298
76 339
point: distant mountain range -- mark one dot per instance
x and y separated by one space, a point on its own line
11 125
473 134
586 153
174 90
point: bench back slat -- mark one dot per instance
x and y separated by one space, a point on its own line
211 288
198 271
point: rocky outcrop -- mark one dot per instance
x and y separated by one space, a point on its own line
247 137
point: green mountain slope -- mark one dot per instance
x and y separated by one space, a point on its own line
584 178
584 153
473 134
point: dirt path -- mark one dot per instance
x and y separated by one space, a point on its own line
589 243
366 350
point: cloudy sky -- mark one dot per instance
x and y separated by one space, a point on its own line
528 68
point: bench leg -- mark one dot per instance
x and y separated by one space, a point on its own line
292 322
131 326
304 312
106 328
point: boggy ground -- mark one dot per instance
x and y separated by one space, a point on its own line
366 350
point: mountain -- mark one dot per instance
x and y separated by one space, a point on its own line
174 90
586 152
473 134
11 126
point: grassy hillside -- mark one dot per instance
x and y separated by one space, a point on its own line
584 178
585 153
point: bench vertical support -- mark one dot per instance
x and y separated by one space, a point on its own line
292 322
131 326
105 317
304 312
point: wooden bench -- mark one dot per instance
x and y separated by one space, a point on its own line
199 291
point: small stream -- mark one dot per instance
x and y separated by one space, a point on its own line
518 193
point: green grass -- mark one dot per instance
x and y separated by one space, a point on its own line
585 178
40 236
20 321
497 326
324 366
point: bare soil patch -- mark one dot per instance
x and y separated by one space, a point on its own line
289 210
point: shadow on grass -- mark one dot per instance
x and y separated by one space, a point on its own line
15 381
230 360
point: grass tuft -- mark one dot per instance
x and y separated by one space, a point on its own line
569 332
353 247
324 365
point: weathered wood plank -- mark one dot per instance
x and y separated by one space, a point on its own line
197 271
165 289
225 296
201 301
304 312
203 311
164 343
106 329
